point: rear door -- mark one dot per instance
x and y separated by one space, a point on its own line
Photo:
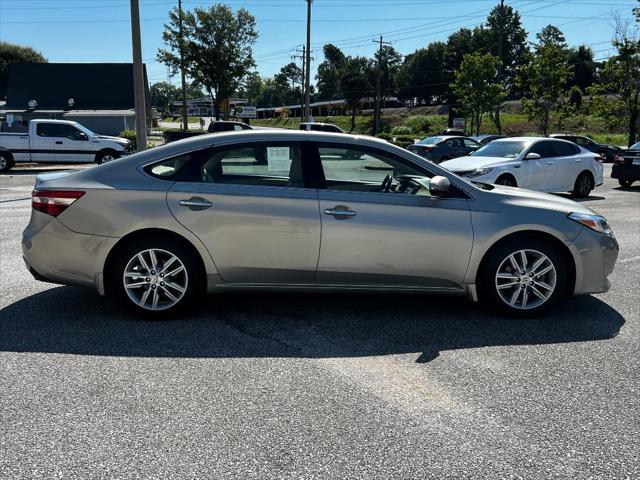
42 143
375 238
72 145
250 207
569 164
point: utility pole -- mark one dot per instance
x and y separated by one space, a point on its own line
303 57
500 65
307 71
376 114
138 78
185 124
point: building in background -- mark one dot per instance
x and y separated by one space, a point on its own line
97 95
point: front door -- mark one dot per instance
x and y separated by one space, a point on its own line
539 174
250 208
375 232
42 143
72 145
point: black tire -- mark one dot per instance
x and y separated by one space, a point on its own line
583 186
193 273
507 181
488 293
624 183
6 162
105 156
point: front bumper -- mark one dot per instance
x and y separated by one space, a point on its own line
595 257
56 254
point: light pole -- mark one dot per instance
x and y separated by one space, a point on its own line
307 74
138 79
185 125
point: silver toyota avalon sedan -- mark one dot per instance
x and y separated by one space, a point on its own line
306 210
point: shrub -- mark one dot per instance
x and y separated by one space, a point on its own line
400 130
418 123
131 136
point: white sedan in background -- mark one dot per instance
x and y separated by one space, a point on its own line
536 163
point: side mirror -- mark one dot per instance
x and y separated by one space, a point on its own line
533 156
439 185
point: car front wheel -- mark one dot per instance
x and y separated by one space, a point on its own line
156 278
523 278
625 183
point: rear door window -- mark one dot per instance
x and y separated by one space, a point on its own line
46 129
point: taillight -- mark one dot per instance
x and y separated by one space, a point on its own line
618 159
53 202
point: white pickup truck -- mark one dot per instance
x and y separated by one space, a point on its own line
59 141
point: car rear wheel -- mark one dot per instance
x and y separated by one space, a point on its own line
522 278
6 162
583 186
156 278
625 183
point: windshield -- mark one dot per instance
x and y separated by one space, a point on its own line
85 129
430 140
500 149
635 147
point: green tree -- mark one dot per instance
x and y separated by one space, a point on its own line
329 72
584 67
252 88
216 45
476 86
506 39
12 53
545 77
617 97
390 60
421 78
163 94
355 83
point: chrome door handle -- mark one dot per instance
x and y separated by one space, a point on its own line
340 212
578 160
551 163
196 203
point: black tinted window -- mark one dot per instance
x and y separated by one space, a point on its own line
562 149
46 130
69 131
542 148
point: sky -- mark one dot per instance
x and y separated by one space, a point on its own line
99 30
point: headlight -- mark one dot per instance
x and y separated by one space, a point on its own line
479 172
594 222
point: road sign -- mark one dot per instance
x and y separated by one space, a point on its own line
246 111
459 123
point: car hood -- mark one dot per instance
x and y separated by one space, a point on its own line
547 201
464 164
124 141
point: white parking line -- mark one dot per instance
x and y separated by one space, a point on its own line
628 260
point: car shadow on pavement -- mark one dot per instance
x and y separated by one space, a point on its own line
76 321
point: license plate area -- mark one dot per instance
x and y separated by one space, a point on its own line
636 161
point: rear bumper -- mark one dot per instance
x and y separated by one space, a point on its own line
625 172
53 253
596 256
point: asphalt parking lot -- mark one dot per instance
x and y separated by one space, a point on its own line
318 386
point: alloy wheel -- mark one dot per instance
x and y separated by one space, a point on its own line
526 279
3 163
583 185
155 279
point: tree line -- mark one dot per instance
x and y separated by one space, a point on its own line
474 71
